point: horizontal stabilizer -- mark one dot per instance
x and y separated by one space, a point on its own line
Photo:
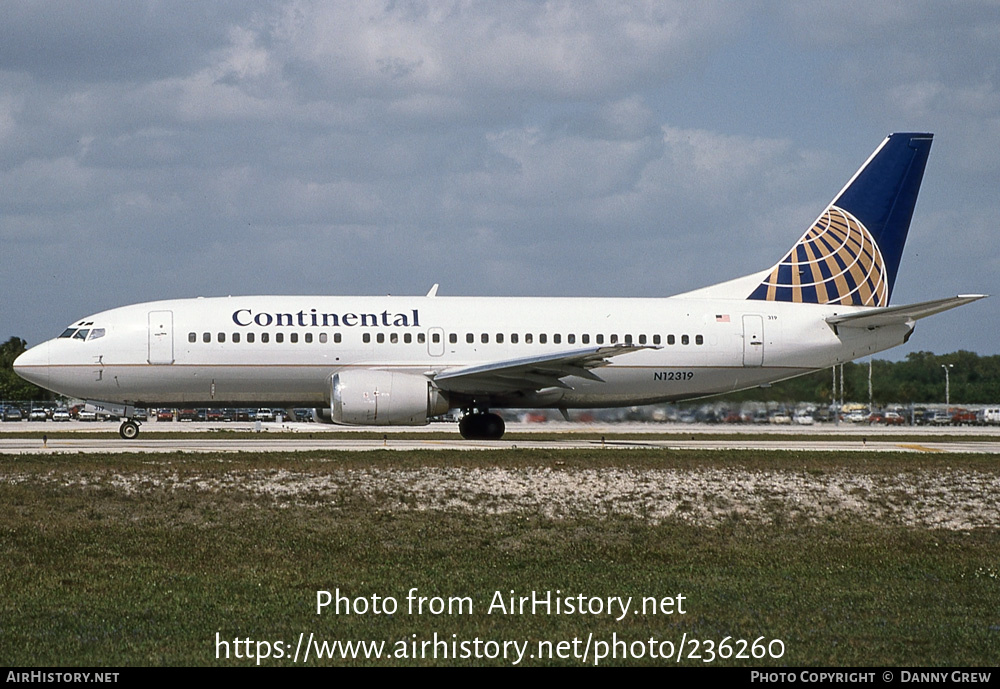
532 373
899 315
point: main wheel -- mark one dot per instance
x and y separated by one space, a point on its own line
129 430
481 427
467 426
493 427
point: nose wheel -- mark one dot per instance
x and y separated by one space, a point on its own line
129 429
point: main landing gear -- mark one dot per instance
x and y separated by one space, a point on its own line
481 425
129 429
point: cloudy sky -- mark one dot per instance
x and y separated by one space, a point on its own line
171 149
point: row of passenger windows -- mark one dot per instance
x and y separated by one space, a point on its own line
470 338
323 338
543 338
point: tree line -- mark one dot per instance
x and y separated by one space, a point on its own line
12 386
918 379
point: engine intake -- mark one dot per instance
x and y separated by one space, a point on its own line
384 398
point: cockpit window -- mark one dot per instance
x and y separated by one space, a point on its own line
68 332
81 334
96 333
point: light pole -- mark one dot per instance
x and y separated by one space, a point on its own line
947 385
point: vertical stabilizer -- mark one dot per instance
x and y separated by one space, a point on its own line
851 254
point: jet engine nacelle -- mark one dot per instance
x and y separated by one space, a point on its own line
384 398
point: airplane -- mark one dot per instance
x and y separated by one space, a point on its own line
401 360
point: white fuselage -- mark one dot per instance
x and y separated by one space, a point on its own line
283 350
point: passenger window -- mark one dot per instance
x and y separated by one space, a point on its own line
250 337
642 339
380 338
279 337
513 338
698 339
499 338
308 338
336 338
685 340
366 338
221 337
543 338
600 339
323 338
628 339
192 337
571 339
469 338
484 338
656 339
557 339
585 339
670 339
422 339
453 338
614 339
294 337
265 337
527 338
394 338
236 337
407 338
206 337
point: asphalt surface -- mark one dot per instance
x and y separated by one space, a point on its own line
102 437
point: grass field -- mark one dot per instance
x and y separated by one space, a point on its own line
846 559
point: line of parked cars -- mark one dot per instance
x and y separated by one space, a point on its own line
35 413
229 414
14 413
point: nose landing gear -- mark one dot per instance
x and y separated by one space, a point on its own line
129 430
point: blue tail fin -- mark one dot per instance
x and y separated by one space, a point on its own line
851 254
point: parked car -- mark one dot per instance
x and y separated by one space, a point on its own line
38 415
12 414
963 417
61 415
941 418
989 415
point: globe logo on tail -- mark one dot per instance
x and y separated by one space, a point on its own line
836 262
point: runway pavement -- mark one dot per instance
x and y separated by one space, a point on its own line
103 438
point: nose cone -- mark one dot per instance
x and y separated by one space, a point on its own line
33 365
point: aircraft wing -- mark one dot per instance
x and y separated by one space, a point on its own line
532 373
899 315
